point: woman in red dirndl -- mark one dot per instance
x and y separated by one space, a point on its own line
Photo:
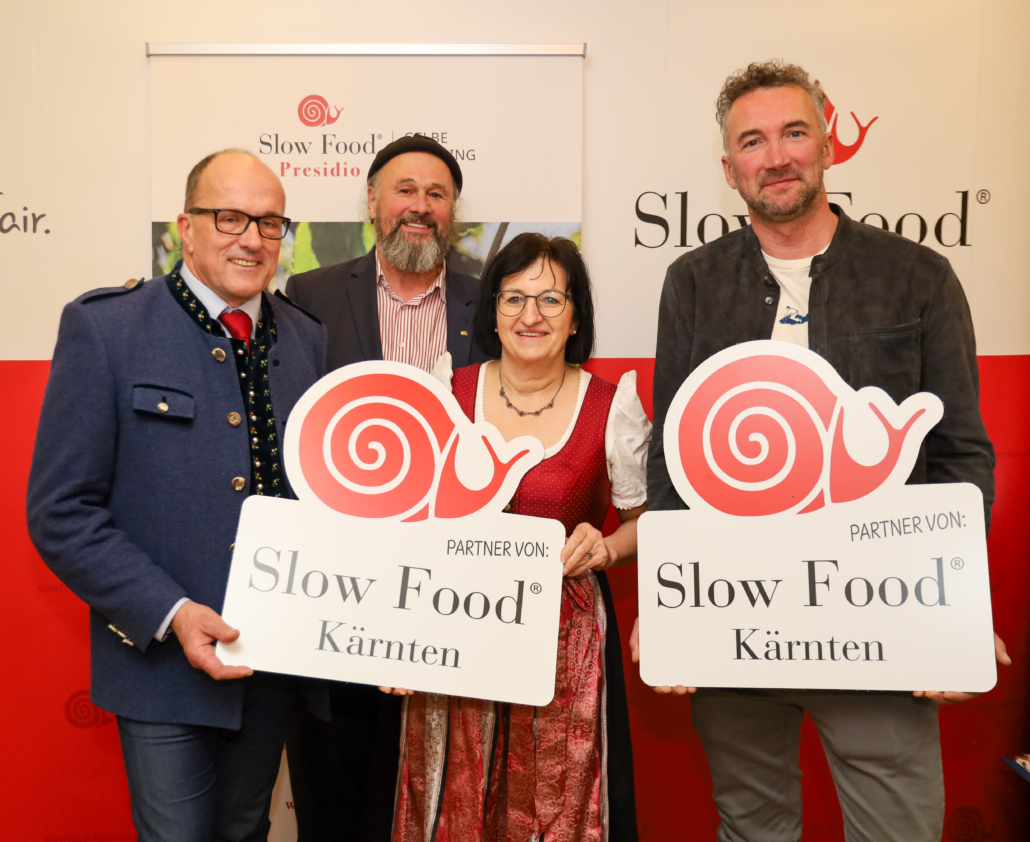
482 771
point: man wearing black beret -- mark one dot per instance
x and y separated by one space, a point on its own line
399 302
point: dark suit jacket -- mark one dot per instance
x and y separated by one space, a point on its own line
134 508
343 298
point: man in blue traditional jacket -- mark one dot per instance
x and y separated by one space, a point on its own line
164 411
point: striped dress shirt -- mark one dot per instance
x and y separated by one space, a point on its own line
413 332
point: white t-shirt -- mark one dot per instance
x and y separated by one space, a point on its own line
795 285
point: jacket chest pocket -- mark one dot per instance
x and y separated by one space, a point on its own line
163 402
891 358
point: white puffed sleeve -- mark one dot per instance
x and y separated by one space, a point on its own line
626 437
442 370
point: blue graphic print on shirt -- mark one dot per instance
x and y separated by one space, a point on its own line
793 317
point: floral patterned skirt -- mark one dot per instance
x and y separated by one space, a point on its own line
480 771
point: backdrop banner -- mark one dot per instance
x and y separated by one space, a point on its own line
320 120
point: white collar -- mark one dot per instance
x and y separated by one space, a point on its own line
214 304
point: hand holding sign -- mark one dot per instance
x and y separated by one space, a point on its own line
950 697
198 629
634 651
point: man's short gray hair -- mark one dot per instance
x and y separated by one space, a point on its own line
767 74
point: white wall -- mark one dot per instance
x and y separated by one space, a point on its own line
946 77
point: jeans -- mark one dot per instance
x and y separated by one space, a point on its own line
192 783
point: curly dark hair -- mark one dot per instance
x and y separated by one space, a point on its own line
516 257
767 74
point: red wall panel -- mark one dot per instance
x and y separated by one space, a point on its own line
61 771
61 766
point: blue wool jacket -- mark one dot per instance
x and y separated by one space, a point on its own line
134 507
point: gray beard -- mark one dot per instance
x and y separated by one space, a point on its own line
412 256
786 213
762 208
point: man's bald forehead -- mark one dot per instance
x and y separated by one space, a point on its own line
195 178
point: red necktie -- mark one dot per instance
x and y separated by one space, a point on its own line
238 324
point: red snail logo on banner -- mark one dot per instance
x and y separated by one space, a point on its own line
82 713
314 111
843 152
765 428
967 824
386 440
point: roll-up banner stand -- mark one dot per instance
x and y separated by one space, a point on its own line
317 114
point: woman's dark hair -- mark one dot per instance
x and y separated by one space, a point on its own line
516 257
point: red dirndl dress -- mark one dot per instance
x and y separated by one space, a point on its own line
480 771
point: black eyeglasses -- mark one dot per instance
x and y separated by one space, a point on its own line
548 304
236 222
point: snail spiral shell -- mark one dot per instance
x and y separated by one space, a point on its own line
313 110
372 445
81 712
752 435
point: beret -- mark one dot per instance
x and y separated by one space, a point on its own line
416 143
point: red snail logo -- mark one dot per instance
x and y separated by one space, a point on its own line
766 427
82 713
386 440
314 111
844 152
967 824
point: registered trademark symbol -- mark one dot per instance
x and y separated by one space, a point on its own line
535 587
983 197
380 137
957 563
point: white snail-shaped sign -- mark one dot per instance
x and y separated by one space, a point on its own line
396 565
805 560
385 440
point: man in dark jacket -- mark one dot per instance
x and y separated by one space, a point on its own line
164 411
400 302
884 312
